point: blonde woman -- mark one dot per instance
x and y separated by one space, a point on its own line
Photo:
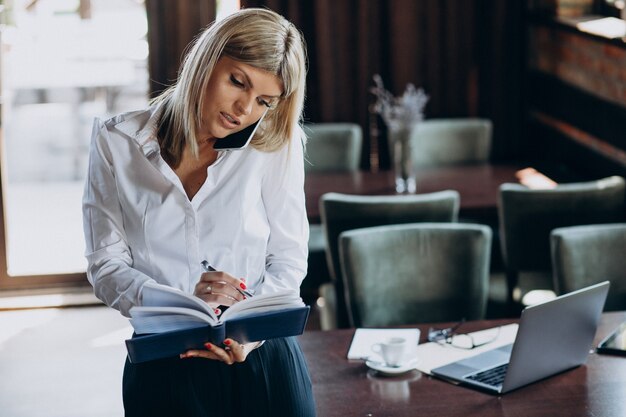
159 199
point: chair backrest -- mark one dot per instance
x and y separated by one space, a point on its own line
527 216
333 147
586 255
421 272
341 212
451 141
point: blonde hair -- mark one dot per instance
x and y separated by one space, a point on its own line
257 37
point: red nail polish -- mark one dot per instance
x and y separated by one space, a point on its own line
227 342
208 346
218 311
243 286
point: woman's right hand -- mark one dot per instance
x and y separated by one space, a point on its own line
219 288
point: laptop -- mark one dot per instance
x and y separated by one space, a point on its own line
552 337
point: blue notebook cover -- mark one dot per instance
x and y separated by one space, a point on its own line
270 325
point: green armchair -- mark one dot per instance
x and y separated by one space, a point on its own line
421 272
586 255
452 141
341 212
528 216
330 147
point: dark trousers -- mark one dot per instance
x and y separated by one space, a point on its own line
273 381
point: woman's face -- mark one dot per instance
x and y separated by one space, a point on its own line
236 97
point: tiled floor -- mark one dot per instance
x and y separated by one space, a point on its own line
62 362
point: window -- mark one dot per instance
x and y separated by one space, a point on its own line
63 62
226 7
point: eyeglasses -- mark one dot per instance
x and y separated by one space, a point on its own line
449 336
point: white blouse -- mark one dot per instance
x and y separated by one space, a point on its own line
248 218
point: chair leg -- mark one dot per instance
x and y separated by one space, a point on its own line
328 311
341 310
511 283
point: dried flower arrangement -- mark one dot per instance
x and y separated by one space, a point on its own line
399 112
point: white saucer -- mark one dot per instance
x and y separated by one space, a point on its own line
391 370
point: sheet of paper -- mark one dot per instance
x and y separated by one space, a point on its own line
361 346
609 27
433 355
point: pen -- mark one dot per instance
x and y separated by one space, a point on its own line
208 268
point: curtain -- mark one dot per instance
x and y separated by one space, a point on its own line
466 54
172 25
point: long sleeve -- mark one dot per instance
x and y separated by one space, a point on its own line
109 258
248 218
284 200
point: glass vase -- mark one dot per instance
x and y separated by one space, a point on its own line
402 158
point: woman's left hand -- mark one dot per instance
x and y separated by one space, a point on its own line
232 352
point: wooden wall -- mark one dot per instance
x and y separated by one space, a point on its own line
576 99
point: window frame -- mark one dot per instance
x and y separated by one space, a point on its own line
167 21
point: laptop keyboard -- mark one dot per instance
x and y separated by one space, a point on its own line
494 376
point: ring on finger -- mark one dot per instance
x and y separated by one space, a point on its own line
209 289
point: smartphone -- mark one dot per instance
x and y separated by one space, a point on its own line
241 139
615 343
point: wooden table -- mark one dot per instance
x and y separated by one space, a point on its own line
348 388
477 185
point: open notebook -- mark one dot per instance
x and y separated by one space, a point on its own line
171 322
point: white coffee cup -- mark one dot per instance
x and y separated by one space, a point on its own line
392 350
